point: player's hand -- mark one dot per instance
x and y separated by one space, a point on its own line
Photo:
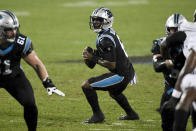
169 105
87 53
52 90
51 87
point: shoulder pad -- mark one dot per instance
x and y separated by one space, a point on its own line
106 39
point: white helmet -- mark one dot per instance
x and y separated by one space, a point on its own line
105 18
173 22
7 21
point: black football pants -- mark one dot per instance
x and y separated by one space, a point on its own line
20 88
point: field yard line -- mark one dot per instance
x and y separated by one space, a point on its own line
127 130
12 121
21 13
110 3
74 99
152 120
98 129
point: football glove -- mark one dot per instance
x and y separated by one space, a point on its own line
50 87
169 105
89 56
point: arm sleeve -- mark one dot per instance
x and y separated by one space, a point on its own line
107 48
175 39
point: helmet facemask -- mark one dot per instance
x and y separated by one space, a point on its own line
10 34
96 23
171 30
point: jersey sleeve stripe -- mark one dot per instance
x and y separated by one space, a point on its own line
27 45
108 81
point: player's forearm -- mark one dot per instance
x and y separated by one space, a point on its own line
164 49
107 64
41 71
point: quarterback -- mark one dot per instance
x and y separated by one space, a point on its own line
110 54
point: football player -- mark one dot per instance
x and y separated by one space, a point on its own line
13 47
185 85
110 54
170 67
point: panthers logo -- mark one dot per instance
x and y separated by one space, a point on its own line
109 13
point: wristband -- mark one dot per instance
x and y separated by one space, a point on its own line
48 83
176 93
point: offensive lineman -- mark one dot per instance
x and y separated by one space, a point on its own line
110 54
13 47
170 67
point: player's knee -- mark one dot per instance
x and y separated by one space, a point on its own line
31 109
85 84
112 95
115 95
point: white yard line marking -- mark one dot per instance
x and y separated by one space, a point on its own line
152 120
22 13
98 129
74 99
114 3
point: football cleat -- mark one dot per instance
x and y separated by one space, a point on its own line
96 118
132 116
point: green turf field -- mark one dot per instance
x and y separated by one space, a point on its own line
59 30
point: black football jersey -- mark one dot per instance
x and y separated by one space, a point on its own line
11 55
110 48
176 54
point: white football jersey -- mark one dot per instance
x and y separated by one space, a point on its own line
190 42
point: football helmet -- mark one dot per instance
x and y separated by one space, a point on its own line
173 22
8 21
101 19
194 16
